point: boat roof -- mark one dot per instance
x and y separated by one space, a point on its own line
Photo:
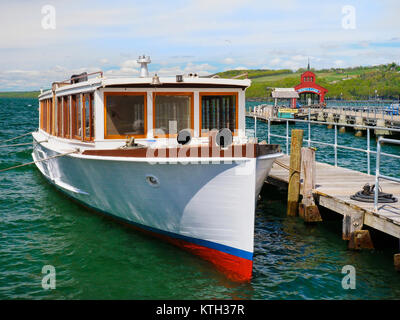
165 82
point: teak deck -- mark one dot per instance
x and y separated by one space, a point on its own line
335 185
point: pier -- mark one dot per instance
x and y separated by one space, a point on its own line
361 116
318 186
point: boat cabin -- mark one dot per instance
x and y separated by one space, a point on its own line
96 111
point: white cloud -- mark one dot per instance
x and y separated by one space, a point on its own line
275 61
339 63
240 68
229 61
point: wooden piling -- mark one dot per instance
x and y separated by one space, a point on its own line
396 258
307 208
294 172
342 120
330 118
360 239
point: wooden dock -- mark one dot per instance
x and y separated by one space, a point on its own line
333 188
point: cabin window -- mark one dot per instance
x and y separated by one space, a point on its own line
41 104
66 116
45 115
172 113
59 117
50 113
88 116
125 114
218 111
77 116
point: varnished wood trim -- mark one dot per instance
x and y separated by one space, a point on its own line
237 151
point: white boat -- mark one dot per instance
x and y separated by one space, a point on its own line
165 155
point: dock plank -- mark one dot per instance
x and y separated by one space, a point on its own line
335 185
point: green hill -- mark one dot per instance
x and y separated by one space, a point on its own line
20 94
356 83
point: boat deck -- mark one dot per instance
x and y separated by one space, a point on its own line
335 185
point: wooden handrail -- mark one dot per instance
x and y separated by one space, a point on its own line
81 76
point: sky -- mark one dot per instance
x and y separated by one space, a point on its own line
46 41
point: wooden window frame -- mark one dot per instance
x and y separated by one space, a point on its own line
124 93
66 118
75 100
91 124
41 103
172 93
59 116
53 115
49 108
202 94
45 115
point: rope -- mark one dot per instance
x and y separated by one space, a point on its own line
22 135
368 194
20 144
29 163
281 164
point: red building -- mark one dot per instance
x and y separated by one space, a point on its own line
310 92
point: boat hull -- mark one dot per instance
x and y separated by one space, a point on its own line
206 208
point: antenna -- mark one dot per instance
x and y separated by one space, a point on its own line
143 60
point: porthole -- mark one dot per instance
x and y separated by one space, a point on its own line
153 181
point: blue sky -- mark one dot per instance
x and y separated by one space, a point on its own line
204 36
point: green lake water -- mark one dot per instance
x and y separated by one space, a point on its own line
96 258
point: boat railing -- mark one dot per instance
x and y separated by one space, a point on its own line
80 76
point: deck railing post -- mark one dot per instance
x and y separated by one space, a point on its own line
378 160
368 152
269 130
255 126
335 145
287 137
309 128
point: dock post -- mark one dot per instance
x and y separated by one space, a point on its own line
294 172
359 131
360 239
381 123
353 223
307 208
342 120
397 261
330 118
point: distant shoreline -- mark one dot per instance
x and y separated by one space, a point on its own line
20 94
